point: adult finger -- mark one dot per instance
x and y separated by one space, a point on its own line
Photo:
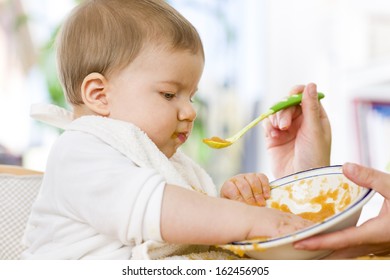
296 89
358 251
349 237
311 106
270 130
368 177
284 118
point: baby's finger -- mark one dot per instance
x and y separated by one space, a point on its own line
245 189
256 188
264 184
230 191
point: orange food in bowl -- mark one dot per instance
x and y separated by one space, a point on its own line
328 201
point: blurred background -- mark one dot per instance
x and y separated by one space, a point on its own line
256 50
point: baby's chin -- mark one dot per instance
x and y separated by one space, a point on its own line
170 152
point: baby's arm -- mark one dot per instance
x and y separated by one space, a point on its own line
251 188
193 218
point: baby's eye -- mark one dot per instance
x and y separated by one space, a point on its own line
168 96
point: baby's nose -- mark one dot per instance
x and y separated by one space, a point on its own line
187 112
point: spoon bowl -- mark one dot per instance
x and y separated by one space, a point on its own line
219 143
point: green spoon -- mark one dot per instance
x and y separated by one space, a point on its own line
219 143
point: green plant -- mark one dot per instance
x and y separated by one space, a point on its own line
47 62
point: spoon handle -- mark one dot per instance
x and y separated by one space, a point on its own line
292 100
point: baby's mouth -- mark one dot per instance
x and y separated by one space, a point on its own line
182 136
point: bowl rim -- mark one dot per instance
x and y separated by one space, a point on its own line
316 228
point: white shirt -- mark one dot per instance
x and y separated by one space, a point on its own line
94 203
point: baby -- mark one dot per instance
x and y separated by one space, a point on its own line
116 186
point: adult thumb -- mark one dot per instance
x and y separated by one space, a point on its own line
311 106
368 177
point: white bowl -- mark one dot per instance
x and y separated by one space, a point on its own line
310 192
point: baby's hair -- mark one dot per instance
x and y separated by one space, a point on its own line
104 36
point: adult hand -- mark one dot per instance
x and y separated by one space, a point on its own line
299 137
373 236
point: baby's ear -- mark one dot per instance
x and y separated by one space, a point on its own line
94 93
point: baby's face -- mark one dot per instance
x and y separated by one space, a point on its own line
155 93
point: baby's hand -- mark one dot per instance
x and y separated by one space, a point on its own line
251 188
269 222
